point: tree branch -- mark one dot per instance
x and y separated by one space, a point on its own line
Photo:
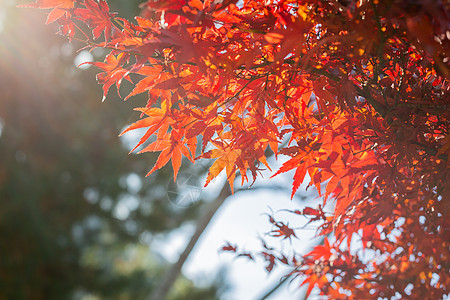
170 277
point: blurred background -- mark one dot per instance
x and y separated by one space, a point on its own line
78 218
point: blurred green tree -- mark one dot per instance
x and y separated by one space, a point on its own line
75 217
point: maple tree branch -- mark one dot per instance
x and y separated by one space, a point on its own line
364 92
379 108
275 288
436 108
279 188
282 281
170 277
241 90
429 151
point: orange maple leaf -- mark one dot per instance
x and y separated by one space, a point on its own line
226 159
60 7
172 146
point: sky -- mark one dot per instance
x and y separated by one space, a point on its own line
241 221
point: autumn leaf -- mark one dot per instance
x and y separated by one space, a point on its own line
229 247
226 159
172 148
98 17
273 37
59 8
113 72
153 122
165 4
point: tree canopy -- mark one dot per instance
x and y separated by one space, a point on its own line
354 93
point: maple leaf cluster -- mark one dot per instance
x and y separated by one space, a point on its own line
354 93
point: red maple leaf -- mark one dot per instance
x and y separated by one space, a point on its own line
97 16
59 8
